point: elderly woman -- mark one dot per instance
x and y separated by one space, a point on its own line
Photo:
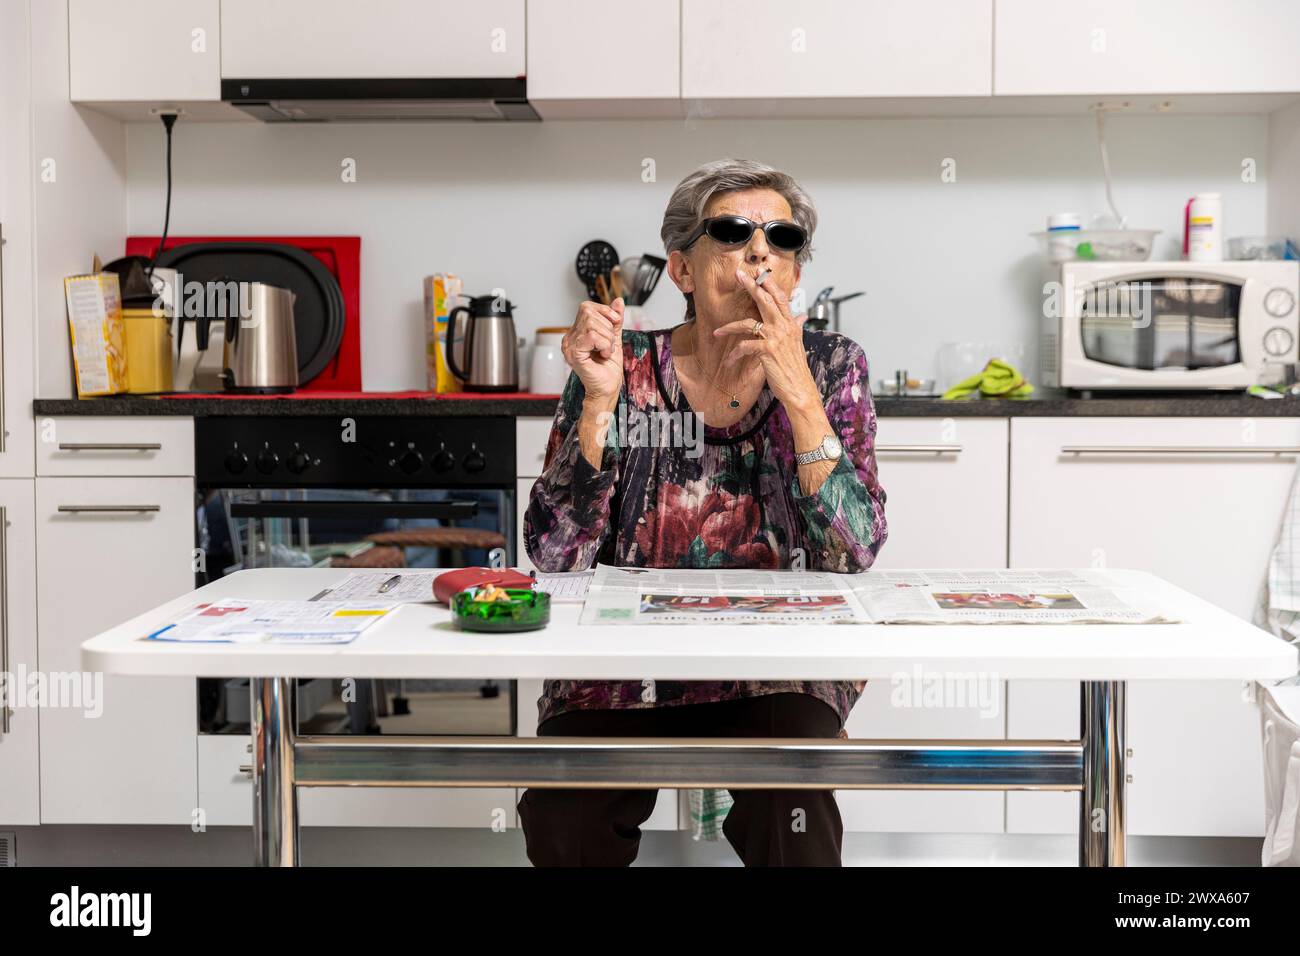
787 472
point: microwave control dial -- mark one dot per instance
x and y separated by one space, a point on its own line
267 461
1278 302
1278 340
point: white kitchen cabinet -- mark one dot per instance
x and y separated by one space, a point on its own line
19 743
1104 47
1205 517
769 49
17 253
604 59
145 50
115 446
381 39
945 482
920 705
134 762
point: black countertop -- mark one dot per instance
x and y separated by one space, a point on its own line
1044 403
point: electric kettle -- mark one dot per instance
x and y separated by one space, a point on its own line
260 353
482 348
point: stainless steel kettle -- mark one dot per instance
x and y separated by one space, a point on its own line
482 347
826 311
260 352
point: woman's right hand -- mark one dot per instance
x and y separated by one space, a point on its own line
593 347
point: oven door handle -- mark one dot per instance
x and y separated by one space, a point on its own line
445 510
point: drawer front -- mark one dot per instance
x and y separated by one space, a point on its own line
531 436
115 446
945 482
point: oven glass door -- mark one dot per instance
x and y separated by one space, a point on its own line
1162 323
364 529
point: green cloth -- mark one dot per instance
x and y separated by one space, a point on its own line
708 810
999 379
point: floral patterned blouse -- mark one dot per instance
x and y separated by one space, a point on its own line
733 501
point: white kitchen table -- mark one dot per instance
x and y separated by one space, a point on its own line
419 640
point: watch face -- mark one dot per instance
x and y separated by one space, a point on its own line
831 447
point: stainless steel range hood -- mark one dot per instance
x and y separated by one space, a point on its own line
381 100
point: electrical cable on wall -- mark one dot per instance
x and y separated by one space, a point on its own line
169 120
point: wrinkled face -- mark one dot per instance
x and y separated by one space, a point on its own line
708 269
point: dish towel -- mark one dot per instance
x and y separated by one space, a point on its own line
1278 609
708 810
999 379
1279 711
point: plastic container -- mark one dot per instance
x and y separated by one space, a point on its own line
526 610
1257 247
1100 245
1203 237
1060 229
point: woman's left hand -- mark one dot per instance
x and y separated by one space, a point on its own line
778 346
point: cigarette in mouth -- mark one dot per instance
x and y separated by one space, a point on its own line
758 280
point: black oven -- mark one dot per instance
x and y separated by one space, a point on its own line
361 492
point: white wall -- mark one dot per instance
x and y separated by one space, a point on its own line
1284 159
509 206
79 190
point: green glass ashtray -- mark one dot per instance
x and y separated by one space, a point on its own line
524 610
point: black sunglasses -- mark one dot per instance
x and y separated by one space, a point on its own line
735 230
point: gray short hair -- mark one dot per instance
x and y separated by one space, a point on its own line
687 205
691 198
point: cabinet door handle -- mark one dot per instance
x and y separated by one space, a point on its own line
1180 450
109 446
107 509
4 620
921 449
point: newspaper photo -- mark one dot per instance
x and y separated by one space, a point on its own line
1002 597
659 596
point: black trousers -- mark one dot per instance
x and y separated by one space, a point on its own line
765 827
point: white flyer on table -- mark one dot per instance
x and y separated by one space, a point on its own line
238 621
659 596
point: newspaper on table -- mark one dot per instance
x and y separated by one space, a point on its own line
655 596
663 596
998 596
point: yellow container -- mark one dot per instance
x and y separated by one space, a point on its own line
148 351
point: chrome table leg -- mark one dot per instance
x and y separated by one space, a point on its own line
1101 805
275 797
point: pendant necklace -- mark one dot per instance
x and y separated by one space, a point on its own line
734 403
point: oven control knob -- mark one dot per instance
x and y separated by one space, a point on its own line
474 461
1278 302
299 461
1278 340
410 461
267 461
443 462
236 461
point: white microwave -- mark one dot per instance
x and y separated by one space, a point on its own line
1170 325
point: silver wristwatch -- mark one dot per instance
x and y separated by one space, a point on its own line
829 450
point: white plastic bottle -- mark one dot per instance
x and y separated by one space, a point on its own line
1203 228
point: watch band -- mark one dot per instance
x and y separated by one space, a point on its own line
817 454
